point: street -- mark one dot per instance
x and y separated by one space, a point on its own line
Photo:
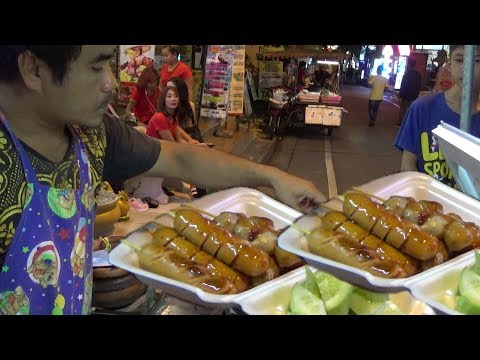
353 155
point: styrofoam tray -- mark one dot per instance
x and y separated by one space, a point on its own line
274 300
439 289
414 184
248 201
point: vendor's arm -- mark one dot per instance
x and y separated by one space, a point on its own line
130 153
210 168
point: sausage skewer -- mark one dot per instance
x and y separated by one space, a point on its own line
230 249
389 227
338 222
259 231
166 262
170 239
459 236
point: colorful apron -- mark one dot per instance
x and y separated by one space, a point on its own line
48 266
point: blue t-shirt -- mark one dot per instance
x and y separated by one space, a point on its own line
415 135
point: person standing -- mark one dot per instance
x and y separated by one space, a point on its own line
173 67
443 80
145 96
420 149
409 89
378 84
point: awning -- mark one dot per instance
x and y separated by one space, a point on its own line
301 53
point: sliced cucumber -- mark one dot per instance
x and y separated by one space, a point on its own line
466 307
469 289
304 302
335 293
365 302
311 283
389 308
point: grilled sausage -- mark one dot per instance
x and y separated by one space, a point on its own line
447 227
286 259
166 262
337 221
399 233
169 238
230 249
272 272
337 247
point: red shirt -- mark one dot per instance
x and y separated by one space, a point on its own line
160 122
181 70
145 106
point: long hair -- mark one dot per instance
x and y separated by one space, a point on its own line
161 100
149 74
184 110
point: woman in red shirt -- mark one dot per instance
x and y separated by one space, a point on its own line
173 67
164 125
145 96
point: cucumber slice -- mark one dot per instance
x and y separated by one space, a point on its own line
311 283
365 302
304 302
335 293
389 308
466 307
469 289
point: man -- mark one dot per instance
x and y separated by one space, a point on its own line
420 150
378 85
443 80
56 145
409 89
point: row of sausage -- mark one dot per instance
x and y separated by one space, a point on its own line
225 255
395 239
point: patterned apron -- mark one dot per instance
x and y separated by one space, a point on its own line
48 266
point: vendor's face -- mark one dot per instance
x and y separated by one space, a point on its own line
457 66
86 90
171 100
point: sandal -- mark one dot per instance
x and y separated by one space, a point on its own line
196 193
138 205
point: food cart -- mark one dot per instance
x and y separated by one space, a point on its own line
322 108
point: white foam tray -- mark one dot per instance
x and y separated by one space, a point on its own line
440 288
248 201
274 300
414 184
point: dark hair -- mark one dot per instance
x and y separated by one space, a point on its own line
149 74
57 57
172 49
451 49
184 110
379 69
161 99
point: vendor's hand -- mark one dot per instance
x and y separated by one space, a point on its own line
296 192
194 142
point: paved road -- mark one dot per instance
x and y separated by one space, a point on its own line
353 155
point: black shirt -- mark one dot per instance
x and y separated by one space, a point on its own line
115 150
411 84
